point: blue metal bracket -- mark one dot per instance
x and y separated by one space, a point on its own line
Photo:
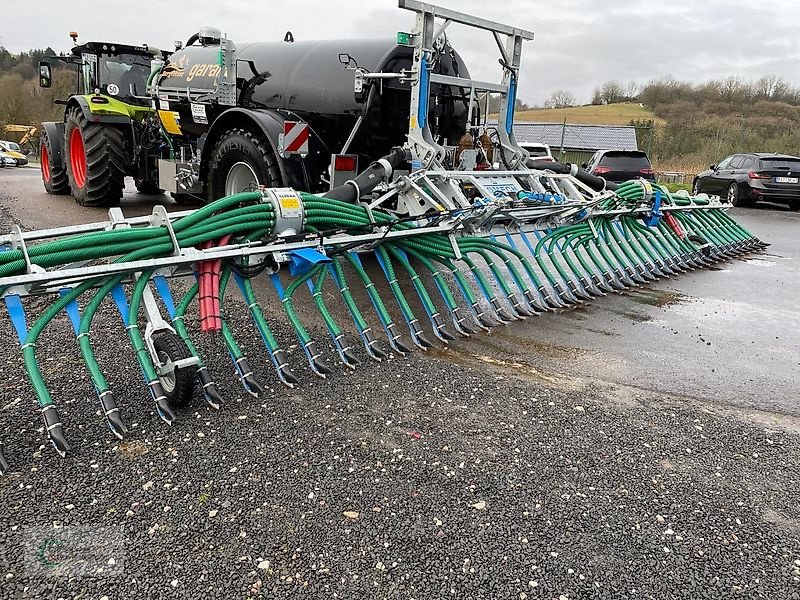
121 300
73 312
653 218
424 85
302 260
166 294
17 314
276 281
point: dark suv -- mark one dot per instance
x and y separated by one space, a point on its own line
745 178
620 165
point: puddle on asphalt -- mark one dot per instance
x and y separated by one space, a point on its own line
461 356
778 256
759 262
636 317
658 298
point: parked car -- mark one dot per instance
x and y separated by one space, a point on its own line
745 178
6 160
538 151
620 165
14 150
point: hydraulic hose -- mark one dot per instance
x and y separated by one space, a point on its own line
366 181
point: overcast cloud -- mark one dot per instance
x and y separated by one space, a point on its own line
579 43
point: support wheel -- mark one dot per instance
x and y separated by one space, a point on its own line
179 384
96 160
241 160
736 197
54 174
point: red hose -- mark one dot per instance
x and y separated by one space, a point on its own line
208 280
674 225
205 302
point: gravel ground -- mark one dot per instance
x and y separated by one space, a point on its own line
427 476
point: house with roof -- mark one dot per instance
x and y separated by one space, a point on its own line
575 143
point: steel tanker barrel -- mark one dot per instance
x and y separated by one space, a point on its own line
308 81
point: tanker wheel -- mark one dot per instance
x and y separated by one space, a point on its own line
146 187
179 384
241 160
96 161
54 176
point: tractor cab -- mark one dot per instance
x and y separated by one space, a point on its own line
116 70
119 71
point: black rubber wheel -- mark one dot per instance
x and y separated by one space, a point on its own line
695 187
736 197
794 205
54 175
240 151
179 387
96 160
149 188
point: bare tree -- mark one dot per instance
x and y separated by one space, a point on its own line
611 91
560 99
632 90
770 86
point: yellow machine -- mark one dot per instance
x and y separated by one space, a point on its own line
29 135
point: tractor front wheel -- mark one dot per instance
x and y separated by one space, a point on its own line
54 174
96 160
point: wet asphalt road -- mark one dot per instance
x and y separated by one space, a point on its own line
646 445
728 335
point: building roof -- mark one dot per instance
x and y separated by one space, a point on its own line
577 137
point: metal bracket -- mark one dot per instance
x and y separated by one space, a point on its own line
160 218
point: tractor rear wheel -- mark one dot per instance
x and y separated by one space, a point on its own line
241 161
54 175
96 160
179 384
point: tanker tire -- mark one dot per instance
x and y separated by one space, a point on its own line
54 176
241 145
178 389
149 188
105 158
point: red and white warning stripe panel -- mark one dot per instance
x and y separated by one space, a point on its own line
295 137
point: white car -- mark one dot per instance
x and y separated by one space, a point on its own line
6 160
538 151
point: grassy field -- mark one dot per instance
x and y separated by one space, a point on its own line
608 114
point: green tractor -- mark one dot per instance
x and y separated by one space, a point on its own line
109 129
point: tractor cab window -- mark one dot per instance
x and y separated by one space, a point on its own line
123 75
89 72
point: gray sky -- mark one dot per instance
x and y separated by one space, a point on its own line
579 43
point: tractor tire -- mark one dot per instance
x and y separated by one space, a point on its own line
54 176
149 188
178 387
241 160
696 187
737 198
96 160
